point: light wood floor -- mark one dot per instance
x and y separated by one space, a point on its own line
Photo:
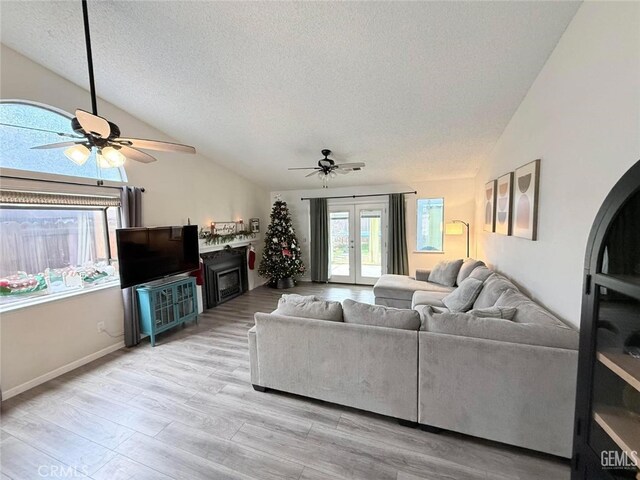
186 410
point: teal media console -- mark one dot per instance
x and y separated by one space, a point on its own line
166 305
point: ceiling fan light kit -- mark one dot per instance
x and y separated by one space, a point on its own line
78 154
113 156
97 132
102 162
328 169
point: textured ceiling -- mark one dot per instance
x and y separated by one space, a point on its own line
418 91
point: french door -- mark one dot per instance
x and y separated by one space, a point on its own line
357 246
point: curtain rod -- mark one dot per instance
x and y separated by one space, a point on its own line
99 183
363 195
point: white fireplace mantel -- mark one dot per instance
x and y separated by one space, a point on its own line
204 248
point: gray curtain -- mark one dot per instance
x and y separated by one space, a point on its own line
319 240
397 256
131 216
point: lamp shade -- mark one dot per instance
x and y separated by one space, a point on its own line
454 229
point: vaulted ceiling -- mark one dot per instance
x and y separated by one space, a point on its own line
417 90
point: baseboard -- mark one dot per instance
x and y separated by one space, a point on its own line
12 392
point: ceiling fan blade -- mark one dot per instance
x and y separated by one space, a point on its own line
154 145
311 174
304 168
56 145
40 130
137 155
93 124
347 166
342 172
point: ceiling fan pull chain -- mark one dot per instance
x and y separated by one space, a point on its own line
87 37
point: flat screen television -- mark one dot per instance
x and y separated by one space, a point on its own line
146 254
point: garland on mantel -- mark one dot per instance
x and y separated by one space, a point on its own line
216 239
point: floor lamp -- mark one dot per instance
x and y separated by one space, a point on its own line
455 228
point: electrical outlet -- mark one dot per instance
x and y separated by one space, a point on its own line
100 327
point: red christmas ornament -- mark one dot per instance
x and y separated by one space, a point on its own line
286 252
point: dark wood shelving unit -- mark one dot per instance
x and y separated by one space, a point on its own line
607 422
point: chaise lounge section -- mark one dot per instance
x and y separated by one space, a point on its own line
397 290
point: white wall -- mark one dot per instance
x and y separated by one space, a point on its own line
582 118
459 199
38 340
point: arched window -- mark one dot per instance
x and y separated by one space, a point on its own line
41 125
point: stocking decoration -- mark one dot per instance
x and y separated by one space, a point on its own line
252 258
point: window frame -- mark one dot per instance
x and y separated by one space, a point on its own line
19 303
431 252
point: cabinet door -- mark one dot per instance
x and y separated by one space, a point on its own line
185 299
163 311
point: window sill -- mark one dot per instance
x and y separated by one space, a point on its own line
29 302
430 252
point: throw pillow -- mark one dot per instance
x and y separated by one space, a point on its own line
494 286
462 298
481 273
467 267
505 313
380 316
446 273
308 308
511 298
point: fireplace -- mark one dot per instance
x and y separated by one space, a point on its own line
225 275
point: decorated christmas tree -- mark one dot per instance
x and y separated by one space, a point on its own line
281 260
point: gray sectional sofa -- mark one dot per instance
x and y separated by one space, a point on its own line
504 370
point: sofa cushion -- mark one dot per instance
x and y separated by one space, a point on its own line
428 298
504 313
307 308
467 267
493 287
527 311
461 299
422 274
481 273
466 325
294 297
380 316
401 287
424 311
435 309
446 273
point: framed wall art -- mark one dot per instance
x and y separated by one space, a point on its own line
525 206
490 206
504 191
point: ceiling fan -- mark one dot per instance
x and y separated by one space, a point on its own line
96 132
327 168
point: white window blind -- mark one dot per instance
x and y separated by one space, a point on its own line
45 198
